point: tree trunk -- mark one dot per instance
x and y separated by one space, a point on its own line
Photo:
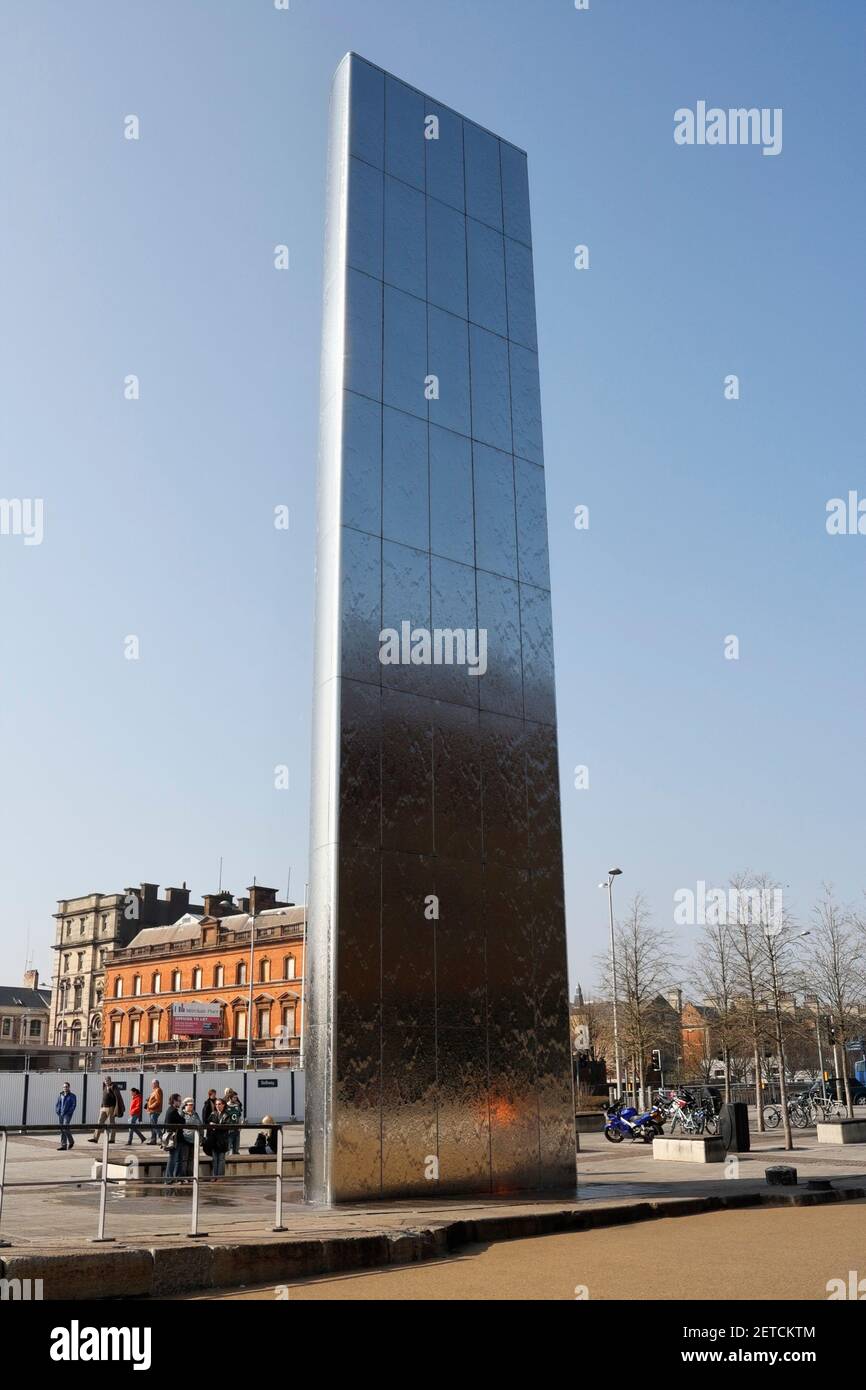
848 1101
783 1085
759 1095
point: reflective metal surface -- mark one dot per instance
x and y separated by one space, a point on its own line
437 1026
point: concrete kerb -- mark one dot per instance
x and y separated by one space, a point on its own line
170 1269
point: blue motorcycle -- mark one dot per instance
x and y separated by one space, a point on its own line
623 1122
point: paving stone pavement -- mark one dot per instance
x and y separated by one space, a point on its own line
48 1216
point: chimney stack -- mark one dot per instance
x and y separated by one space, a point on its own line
261 898
218 904
31 979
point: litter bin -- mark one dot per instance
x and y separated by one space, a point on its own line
734 1127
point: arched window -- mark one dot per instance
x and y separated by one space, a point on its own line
134 1030
116 1031
153 1028
289 1020
240 1023
136 984
264 971
118 987
241 973
196 977
290 968
176 981
264 1020
156 982
218 976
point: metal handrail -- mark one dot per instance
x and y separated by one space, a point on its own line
103 1181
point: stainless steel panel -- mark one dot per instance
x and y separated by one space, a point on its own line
405 238
405 599
521 294
407 773
505 821
452 532
536 626
408 943
457 806
449 363
446 258
362 353
515 193
408 1112
491 392
405 353
367 104
499 616
361 605
406 489
445 157
357 1137
531 524
360 764
495 517
526 404
486 261
453 611
362 463
483 183
364 233
405 144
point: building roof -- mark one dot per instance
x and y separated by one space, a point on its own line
187 928
271 917
25 998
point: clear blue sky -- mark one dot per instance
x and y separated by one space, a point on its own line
707 516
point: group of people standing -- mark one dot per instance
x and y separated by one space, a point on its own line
218 1125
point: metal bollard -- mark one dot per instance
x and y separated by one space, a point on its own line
279 1226
101 1238
4 1139
195 1233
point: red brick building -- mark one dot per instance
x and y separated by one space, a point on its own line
246 959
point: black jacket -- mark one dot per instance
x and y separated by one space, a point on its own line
207 1110
218 1131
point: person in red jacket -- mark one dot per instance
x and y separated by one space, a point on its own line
135 1117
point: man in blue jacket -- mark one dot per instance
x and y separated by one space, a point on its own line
65 1108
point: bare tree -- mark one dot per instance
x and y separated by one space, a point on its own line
645 963
749 978
833 971
714 978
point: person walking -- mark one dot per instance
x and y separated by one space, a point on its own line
153 1106
171 1139
217 1140
209 1106
107 1112
191 1122
135 1117
64 1108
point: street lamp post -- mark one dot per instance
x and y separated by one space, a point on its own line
250 981
608 884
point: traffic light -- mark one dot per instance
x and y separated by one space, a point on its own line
831 1031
